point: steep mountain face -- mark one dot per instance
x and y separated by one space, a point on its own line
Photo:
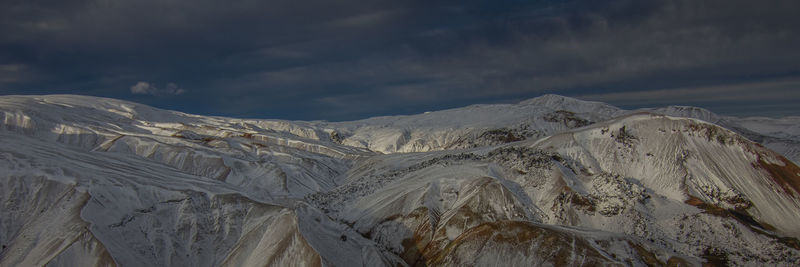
556 181
780 135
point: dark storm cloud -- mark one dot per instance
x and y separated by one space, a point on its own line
349 59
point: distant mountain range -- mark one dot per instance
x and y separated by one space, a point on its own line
87 181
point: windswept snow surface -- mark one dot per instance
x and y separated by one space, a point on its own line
88 181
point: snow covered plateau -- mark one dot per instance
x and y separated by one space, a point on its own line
550 181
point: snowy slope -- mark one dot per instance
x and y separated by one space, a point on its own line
144 186
471 126
88 181
644 185
480 125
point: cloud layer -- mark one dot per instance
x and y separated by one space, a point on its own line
145 88
351 59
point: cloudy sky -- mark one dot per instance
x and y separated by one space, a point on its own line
341 60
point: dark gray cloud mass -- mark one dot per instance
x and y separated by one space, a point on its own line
339 60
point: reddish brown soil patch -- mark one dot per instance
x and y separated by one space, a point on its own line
788 175
714 257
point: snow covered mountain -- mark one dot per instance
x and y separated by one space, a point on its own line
480 125
88 181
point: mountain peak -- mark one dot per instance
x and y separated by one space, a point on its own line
548 98
689 111
559 102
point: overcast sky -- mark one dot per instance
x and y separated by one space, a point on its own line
342 60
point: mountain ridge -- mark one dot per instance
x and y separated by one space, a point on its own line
157 187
